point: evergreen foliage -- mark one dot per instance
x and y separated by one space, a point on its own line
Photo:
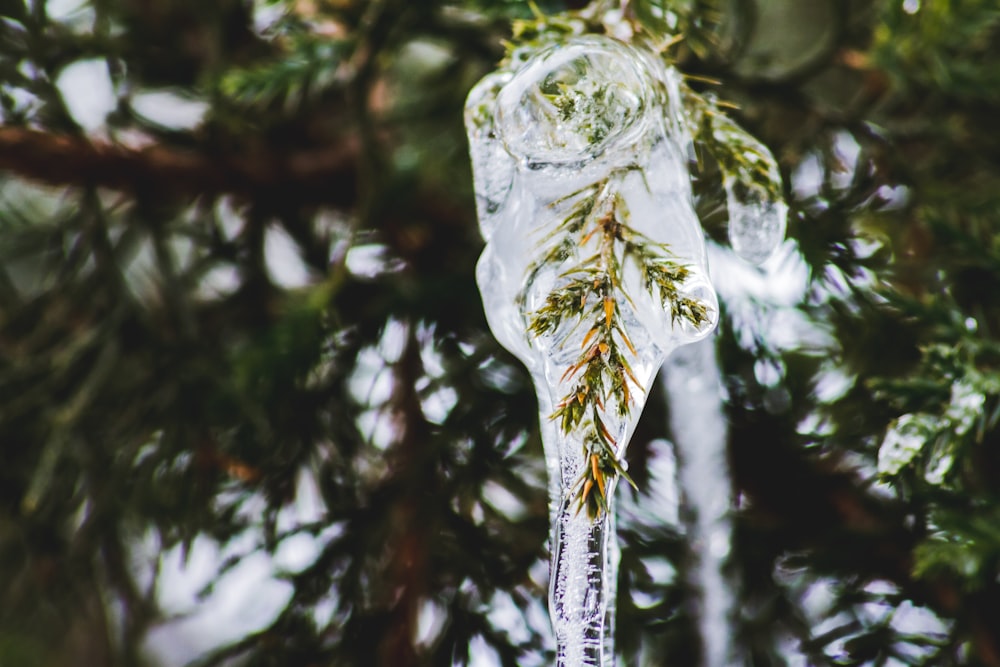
207 317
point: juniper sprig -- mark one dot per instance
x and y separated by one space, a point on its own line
590 293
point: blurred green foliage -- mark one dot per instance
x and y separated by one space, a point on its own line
202 317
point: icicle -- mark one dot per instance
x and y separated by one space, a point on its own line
594 271
757 212
691 380
756 222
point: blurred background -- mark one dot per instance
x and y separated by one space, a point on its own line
251 413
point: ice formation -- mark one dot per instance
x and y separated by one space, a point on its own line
594 271
757 218
698 424
756 221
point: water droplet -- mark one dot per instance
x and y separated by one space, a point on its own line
756 222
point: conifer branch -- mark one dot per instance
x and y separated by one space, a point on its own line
591 295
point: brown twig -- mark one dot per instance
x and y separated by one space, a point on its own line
326 175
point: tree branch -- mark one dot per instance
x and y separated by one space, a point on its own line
326 175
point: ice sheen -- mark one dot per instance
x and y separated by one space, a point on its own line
756 222
757 218
591 110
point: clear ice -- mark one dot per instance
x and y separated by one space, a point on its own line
756 221
757 217
588 125
580 158
698 425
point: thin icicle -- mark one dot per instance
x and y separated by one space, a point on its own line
691 379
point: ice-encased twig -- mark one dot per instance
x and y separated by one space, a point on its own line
595 269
